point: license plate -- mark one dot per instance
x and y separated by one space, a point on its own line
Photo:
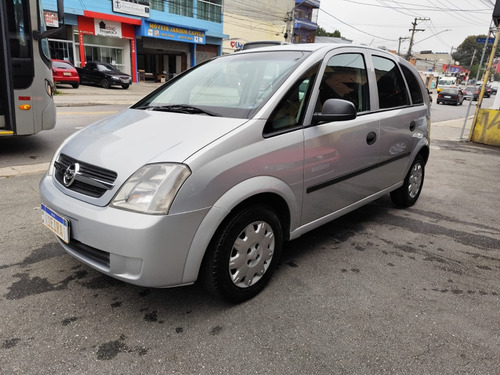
447 97
56 223
67 74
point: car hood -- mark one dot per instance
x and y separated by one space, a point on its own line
126 141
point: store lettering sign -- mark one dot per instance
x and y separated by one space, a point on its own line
236 45
138 8
107 28
180 34
51 18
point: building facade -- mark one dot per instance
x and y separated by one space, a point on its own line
154 39
305 20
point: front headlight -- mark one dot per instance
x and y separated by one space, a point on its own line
152 188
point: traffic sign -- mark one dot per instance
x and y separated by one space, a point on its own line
483 40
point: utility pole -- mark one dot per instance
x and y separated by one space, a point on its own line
413 30
399 46
289 26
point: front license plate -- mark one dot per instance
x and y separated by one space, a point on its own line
56 223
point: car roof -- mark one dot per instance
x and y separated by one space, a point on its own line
316 47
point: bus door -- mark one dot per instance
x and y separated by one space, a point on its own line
6 104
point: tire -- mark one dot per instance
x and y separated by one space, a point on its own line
105 83
243 254
75 85
407 195
125 86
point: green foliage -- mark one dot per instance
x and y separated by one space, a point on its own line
464 52
322 32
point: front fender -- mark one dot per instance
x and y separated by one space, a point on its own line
222 208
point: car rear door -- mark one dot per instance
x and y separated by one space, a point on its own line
401 115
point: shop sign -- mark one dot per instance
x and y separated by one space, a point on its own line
171 32
236 45
107 28
51 18
133 7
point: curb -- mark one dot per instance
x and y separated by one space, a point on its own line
21 170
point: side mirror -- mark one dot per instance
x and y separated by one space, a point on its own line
335 110
60 11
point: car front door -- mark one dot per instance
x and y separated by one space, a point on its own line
341 157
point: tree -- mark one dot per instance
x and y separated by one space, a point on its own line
322 32
465 51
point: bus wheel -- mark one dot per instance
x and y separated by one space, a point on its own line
105 83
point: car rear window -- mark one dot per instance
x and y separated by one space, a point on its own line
61 65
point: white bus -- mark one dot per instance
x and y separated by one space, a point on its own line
446 82
26 84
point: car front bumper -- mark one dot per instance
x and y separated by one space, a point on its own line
145 250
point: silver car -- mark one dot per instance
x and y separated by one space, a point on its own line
208 176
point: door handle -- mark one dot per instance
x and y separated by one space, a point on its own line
413 125
371 138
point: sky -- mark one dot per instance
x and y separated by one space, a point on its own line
380 23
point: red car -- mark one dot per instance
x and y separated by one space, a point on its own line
65 72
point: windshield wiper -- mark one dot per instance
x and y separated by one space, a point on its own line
180 108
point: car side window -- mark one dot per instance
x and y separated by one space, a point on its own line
391 87
345 77
413 84
290 111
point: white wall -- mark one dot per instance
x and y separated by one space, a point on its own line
246 21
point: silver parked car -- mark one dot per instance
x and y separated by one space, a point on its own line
206 177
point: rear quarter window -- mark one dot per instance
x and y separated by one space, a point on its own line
413 85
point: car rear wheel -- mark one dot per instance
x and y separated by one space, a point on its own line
105 83
243 254
408 194
75 85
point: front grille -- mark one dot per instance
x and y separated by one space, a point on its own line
98 256
90 180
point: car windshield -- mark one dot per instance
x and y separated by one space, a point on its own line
450 92
106 68
231 86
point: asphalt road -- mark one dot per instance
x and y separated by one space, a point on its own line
379 291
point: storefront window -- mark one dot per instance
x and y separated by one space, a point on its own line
210 10
181 7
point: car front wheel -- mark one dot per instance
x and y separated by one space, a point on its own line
408 194
243 254
125 86
105 83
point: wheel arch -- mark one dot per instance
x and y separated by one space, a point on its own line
263 190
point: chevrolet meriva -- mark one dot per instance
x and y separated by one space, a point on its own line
206 177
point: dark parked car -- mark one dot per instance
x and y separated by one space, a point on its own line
469 93
64 72
450 96
103 74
